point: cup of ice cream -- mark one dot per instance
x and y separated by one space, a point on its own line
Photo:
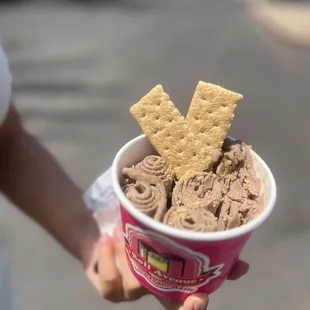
185 223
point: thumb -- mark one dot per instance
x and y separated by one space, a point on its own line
197 301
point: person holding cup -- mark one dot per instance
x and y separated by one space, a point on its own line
185 216
117 281
32 179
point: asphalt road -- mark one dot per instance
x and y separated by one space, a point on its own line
77 69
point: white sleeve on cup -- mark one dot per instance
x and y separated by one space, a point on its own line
5 85
101 199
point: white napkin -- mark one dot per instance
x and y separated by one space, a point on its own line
101 199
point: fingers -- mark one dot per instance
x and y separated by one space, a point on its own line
110 278
239 270
200 301
92 274
111 274
132 288
197 301
119 244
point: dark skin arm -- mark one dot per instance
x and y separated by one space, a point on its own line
33 181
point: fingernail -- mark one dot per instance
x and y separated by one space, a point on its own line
200 303
118 234
105 239
241 268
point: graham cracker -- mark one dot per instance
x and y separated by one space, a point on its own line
169 133
211 113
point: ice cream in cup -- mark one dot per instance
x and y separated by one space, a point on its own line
186 223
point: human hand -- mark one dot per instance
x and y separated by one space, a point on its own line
199 301
114 280
109 271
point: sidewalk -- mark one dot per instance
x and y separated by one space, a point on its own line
288 21
76 72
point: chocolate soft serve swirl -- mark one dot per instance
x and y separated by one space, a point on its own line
191 218
237 163
202 188
146 192
156 165
243 200
197 165
226 196
229 215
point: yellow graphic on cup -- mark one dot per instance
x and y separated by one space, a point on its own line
171 264
156 260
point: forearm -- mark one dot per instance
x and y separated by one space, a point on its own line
33 180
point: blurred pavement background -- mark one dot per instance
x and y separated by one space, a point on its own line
77 69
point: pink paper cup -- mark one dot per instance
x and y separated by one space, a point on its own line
172 263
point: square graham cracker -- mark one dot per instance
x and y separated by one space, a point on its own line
169 133
211 113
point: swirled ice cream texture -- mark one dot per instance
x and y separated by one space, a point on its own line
227 196
157 166
242 188
203 189
191 218
147 193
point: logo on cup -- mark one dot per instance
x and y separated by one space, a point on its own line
167 265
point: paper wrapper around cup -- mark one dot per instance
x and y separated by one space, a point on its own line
172 263
102 201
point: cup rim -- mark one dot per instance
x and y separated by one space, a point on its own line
185 234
